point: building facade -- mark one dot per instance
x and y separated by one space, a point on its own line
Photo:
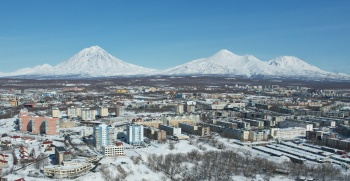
135 134
74 112
68 169
37 124
170 130
114 150
103 135
88 114
62 154
154 134
102 111
179 109
120 111
55 112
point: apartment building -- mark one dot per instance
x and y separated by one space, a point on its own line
88 114
114 150
120 111
103 135
170 130
102 111
195 129
288 133
37 124
134 134
154 134
68 169
74 112
190 106
179 109
257 136
62 154
55 112
239 134
175 120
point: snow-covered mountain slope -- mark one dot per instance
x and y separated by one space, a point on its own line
96 62
225 62
89 62
37 70
289 64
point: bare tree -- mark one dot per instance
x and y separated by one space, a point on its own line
171 145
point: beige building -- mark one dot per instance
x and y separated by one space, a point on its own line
179 109
175 120
155 134
102 111
55 112
88 114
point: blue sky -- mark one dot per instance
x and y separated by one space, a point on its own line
164 33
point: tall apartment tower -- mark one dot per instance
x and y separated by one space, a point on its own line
120 111
134 134
55 112
103 135
179 109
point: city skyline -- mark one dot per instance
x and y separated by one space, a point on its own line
161 35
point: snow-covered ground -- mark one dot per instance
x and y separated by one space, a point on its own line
133 172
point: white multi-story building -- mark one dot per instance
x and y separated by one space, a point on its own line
135 134
180 109
74 112
114 150
103 135
68 169
87 114
288 133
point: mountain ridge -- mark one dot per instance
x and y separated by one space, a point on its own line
96 62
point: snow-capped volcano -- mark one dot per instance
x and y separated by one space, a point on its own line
293 64
89 62
95 61
223 62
